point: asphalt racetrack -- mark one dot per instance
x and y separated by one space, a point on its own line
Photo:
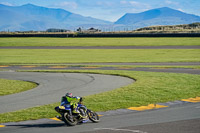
52 86
179 117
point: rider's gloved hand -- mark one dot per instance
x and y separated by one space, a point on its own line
62 103
81 99
77 97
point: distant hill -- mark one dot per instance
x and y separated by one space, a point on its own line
184 28
160 16
31 17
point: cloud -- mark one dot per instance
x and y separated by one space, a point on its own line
104 3
123 2
67 5
168 2
6 3
171 2
134 4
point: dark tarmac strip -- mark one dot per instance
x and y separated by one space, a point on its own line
147 69
183 126
102 47
145 64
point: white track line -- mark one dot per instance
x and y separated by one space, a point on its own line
126 130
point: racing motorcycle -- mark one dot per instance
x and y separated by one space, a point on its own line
73 119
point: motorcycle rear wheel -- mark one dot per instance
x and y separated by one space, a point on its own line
69 120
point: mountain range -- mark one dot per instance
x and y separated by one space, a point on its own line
159 16
31 17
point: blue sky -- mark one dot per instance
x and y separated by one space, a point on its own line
111 10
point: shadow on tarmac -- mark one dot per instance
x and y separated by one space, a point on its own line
43 125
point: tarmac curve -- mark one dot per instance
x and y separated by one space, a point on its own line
52 86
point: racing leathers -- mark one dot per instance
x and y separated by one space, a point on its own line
65 100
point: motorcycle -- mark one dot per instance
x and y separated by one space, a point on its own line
73 119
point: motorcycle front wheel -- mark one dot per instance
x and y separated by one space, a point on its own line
93 116
69 120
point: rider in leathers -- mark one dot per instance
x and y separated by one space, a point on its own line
68 99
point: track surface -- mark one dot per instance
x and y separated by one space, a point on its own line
150 69
54 85
176 119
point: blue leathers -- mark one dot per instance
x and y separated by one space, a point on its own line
70 101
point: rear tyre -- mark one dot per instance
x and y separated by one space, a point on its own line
69 120
93 116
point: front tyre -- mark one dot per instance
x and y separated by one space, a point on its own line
69 120
93 116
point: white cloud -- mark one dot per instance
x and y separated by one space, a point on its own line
6 3
168 2
105 3
134 4
123 2
171 2
66 5
139 5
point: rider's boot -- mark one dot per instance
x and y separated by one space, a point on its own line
76 111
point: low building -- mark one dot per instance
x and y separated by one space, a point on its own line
57 30
93 30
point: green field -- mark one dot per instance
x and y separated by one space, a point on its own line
148 89
14 86
37 56
40 41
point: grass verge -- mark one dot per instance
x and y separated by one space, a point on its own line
133 41
149 88
14 86
40 56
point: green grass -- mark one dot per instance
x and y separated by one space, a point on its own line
149 88
14 86
40 41
34 56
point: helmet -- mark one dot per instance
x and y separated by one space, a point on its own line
68 94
